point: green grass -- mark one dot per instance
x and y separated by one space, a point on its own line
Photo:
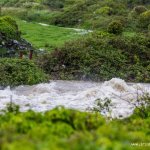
46 37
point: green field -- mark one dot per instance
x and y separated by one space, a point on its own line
46 37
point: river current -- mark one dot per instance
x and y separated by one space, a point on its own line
79 95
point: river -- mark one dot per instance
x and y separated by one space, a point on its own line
80 95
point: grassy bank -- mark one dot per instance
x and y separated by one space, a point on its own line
46 37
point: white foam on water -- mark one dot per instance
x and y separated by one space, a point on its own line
78 95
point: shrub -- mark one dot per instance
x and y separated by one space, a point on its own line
9 28
139 9
143 110
100 56
72 118
15 12
115 27
144 19
73 15
104 10
17 72
63 129
137 2
11 108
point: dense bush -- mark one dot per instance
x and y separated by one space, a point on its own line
104 10
17 72
89 14
144 19
85 10
115 27
30 15
100 56
9 28
69 129
140 9
15 12
144 110
73 15
137 2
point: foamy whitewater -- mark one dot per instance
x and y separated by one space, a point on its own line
78 95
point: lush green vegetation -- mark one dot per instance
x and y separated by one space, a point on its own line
100 56
98 14
11 41
46 37
33 10
115 27
29 15
9 28
69 129
86 13
17 72
118 47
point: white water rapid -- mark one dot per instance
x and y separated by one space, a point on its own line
78 95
